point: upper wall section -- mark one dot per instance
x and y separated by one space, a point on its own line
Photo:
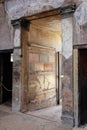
67 37
80 24
20 8
5 37
81 13
46 32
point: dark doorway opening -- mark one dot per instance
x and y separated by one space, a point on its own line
82 86
58 78
6 77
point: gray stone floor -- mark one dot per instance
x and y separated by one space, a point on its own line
37 120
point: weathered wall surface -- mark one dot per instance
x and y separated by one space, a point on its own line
16 94
41 82
21 8
5 32
80 34
80 24
67 84
45 37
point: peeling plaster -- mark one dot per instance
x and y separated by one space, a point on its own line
67 40
20 8
81 14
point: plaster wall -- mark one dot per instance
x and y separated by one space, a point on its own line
21 8
45 37
5 30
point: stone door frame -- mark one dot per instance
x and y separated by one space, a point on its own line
76 80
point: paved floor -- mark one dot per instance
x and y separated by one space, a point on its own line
38 120
51 114
81 128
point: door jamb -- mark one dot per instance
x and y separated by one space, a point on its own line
75 81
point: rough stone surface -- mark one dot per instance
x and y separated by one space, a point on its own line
67 88
16 98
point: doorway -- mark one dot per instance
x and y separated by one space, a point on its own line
82 82
43 58
5 77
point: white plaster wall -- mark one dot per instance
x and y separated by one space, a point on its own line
67 37
81 13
